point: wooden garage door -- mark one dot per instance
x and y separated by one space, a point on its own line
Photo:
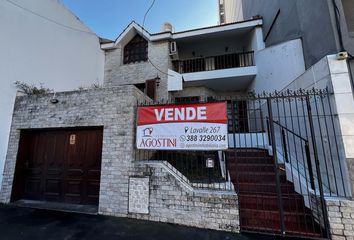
59 165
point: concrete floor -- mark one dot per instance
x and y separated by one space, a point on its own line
27 223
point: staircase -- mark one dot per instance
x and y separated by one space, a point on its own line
252 172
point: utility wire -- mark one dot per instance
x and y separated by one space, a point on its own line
48 19
142 29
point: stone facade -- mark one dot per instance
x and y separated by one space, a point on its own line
171 201
341 218
117 73
159 195
112 108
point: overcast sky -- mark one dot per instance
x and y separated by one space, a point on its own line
108 18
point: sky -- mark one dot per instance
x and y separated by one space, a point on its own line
108 18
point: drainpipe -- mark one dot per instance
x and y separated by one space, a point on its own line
341 44
350 58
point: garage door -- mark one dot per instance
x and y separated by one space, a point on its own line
59 165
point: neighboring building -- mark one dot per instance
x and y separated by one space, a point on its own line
230 11
314 22
43 42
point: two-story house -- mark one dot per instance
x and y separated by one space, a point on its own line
195 64
231 61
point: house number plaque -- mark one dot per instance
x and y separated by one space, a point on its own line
72 139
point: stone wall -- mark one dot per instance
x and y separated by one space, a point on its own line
172 201
112 108
341 218
155 194
117 73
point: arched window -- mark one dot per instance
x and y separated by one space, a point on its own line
136 50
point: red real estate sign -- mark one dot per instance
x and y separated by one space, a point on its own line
183 127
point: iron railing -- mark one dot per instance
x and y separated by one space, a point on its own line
295 150
298 130
294 158
192 166
200 64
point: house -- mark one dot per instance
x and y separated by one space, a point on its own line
199 63
287 168
43 43
233 60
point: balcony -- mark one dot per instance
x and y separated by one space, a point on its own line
229 72
201 64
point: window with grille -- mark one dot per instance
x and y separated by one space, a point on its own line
136 50
239 120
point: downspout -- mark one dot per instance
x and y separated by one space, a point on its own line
341 44
350 57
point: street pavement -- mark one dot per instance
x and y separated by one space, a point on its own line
35 224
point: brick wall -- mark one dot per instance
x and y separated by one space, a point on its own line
117 73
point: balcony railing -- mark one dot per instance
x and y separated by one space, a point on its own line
234 60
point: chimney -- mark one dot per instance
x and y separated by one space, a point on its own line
166 27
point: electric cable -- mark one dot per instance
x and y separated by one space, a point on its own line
142 29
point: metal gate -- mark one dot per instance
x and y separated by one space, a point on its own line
285 155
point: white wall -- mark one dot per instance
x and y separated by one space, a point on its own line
36 50
278 66
333 74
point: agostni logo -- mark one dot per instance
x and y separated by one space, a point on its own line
148 141
147 132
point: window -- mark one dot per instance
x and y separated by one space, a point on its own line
240 118
136 50
348 6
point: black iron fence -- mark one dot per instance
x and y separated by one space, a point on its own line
199 64
305 128
193 167
284 147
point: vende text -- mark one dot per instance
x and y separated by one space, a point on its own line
181 114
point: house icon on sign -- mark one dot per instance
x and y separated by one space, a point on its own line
147 132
